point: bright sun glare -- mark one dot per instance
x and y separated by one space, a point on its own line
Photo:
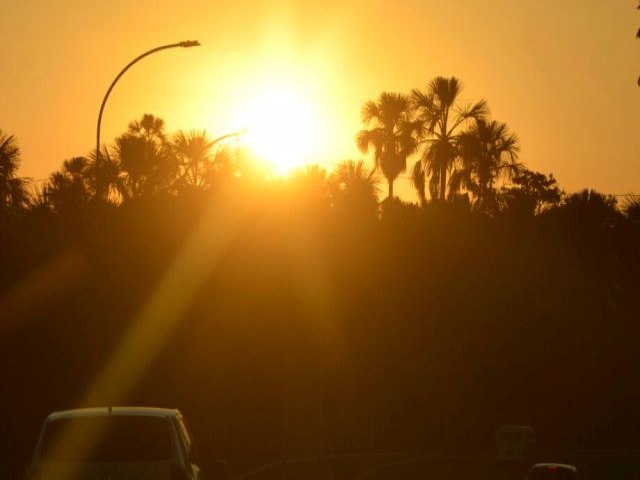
281 126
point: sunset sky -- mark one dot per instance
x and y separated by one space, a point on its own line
561 73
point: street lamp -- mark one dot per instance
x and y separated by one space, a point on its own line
184 44
237 134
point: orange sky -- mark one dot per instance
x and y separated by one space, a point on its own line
561 73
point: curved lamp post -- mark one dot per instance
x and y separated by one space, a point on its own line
184 44
237 134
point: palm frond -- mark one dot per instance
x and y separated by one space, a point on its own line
354 180
9 155
370 112
369 138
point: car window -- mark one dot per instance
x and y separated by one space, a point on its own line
118 438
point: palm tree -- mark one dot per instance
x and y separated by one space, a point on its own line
590 209
310 185
13 189
193 150
149 127
392 134
68 188
145 159
488 151
103 176
310 177
354 186
443 119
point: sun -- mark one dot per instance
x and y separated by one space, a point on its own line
282 128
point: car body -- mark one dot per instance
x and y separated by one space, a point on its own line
552 471
114 443
515 442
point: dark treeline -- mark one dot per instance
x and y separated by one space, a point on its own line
311 318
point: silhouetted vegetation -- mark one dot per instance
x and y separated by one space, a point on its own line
391 136
326 321
13 190
443 119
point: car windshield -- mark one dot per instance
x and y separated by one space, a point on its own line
102 439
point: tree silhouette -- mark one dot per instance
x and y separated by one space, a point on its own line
233 165
69 188
193 151
631 209
392 134
589 209
314 176
311 184
13 189
149 127
146 161
530 193
443 119
103 175
354 187
488 151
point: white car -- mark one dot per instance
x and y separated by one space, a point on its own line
552 471
114 443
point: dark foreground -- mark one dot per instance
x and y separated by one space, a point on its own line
422 466
592 465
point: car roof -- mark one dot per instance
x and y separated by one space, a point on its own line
555 465
98 411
